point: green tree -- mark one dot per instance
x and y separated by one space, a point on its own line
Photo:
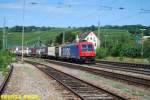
147 48
116 50
69 37
1 39
58 38
5 59
16 29
131 51
92 28
49 42
101 53
0 44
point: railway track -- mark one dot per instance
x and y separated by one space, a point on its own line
130 78
123 68
132 67
135 65
6 79
82 89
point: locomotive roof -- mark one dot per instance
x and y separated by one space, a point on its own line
78 43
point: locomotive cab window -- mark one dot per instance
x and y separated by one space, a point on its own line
84 47
87 47
90 47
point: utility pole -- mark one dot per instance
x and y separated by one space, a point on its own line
4 33
23 28
142 34
6 40
40 44
63 40
98 32
105 40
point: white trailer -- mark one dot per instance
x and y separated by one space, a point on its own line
51 51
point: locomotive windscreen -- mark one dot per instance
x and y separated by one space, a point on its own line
87 47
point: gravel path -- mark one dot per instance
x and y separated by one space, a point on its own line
28 80
1 78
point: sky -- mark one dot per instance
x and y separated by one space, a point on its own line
74 13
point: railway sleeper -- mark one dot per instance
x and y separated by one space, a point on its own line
91 92
100 98
74 84
96 97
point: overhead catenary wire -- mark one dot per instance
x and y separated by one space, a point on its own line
124 18
83 18
104 8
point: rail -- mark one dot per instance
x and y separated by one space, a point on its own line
135 65
110 92
6 79
137 79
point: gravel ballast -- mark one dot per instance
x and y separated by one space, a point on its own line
1 77
28 80
138 93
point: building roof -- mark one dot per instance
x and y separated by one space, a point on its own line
82 36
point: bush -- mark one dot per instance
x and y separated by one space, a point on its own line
131 51
147 48
115 51
146 52
101 53
5 59
148 59
121 58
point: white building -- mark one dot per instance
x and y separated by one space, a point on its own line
90 37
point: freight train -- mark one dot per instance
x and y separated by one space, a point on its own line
78 52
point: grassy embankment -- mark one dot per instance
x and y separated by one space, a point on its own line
30 37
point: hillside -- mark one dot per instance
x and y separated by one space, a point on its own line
14 38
